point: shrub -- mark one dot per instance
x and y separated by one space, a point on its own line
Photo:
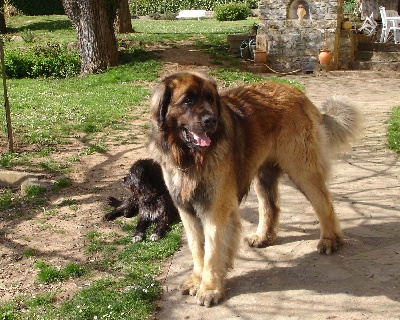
232 12
150 7
42 61
38 7
350 6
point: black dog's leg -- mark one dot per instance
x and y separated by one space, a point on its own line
161 227
114 202
132 207
140 230
167 217
129 207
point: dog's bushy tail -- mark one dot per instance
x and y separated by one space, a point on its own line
342 121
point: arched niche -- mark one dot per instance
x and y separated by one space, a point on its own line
294 5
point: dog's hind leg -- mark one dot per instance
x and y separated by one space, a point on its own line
167 216
266 187
315 190
161 227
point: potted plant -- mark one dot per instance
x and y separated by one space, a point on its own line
324 54
253 29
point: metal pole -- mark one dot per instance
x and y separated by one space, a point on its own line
6 103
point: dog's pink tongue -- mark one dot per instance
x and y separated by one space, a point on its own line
202 140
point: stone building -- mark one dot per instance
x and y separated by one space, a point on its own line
294 44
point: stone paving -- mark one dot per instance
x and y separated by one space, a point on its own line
290 279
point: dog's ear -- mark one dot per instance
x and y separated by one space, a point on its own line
159 103
206 77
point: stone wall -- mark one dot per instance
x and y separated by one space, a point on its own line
294 44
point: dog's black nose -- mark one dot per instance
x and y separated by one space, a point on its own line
209 121
125 181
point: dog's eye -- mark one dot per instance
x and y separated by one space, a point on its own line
188 102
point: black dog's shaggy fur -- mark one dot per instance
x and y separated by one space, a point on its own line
149 199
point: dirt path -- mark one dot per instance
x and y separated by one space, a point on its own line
290 279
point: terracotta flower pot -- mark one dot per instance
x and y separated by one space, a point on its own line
260 56
324 56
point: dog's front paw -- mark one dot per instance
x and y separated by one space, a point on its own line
329 245
191 286
208 297
154 237
137 238
114 202
255 240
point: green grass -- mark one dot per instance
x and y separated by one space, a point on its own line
393 131
192 27
49 274
52 109
6 198
30 252
10 199
41 30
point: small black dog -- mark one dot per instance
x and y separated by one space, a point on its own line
150 200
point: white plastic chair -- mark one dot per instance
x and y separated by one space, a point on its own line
389 25
369 25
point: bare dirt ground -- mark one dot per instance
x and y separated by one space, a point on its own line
288 280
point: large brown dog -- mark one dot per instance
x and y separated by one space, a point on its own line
212 146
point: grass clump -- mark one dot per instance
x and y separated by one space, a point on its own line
108 300
49 274
30 252
6 198
393 130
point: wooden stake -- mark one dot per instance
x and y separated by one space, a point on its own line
6 103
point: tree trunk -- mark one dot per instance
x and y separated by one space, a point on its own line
3 28
122 22
97 42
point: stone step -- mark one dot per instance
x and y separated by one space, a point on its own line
366 74
377 56
376 66
376 46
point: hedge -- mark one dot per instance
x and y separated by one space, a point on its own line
38 7
148 7
137 7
